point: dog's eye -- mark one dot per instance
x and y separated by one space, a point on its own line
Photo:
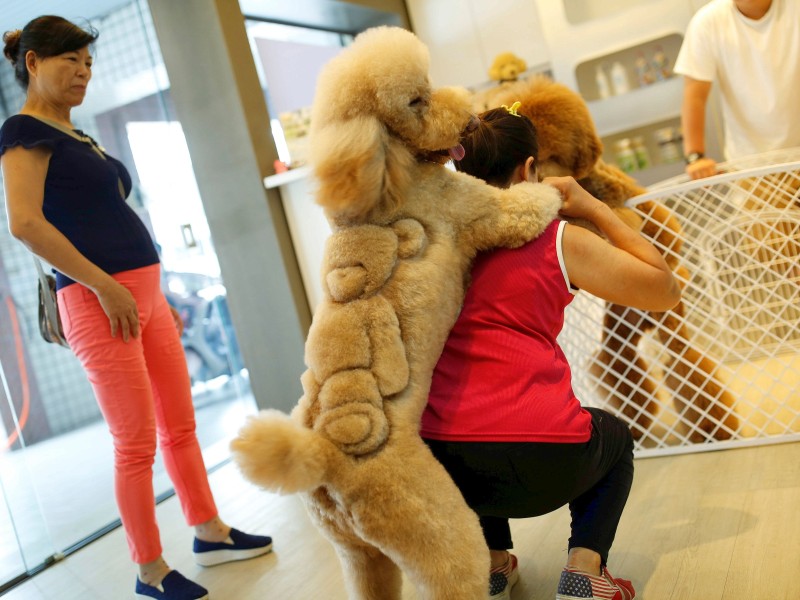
418 102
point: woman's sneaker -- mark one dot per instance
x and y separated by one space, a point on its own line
173 587
502 579
238 546
577 585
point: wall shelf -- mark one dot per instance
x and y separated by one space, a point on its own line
578 12
638 107
661 164
627 59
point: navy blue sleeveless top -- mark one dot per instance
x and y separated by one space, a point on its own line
82 198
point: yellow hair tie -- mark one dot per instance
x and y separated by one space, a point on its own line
512 110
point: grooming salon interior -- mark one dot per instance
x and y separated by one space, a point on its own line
208 104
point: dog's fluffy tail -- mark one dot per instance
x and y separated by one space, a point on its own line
279 455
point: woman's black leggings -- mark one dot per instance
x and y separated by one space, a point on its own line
502 480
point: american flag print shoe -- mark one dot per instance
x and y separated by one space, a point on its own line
502 579
576 585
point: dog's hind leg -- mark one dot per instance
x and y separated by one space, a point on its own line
422 522
620 373
450 558
700 397
368 573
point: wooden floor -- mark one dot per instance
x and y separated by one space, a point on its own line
708 526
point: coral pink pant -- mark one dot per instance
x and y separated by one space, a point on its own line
144 393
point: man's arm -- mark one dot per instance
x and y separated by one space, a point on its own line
693 123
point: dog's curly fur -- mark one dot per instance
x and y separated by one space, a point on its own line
405 230
569 145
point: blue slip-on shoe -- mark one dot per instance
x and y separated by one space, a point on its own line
238 546
173 587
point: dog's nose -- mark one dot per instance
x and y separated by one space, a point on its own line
473 124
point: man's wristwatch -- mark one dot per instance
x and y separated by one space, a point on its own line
693 157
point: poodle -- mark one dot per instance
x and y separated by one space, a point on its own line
405 229
569 145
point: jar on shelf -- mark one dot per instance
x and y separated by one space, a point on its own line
619 79
625 156
669 144
640 152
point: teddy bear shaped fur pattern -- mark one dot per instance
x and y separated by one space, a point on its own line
569 145
404 232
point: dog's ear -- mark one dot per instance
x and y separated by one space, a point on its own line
588 150
359 167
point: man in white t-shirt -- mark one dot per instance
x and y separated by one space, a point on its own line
751 50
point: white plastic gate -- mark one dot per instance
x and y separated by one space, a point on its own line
723 368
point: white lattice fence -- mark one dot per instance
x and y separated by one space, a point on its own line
723 368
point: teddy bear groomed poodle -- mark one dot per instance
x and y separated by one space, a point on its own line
404 232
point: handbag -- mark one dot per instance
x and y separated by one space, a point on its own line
49 319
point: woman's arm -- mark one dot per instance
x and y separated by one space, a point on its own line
628 271
24 172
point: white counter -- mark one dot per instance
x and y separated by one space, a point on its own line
307 225
279 179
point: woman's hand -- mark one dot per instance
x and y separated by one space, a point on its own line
120 306
578 203
628 271
176 316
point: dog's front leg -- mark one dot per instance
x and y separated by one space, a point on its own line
511 217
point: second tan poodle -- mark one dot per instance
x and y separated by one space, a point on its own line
569 145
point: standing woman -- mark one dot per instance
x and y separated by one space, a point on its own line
65 202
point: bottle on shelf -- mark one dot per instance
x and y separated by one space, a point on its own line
645 73
603 86
640 152
625 156
669 144
660 63
619 78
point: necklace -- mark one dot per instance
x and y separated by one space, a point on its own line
74 133
81 137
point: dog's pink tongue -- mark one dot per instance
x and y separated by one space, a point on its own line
457 152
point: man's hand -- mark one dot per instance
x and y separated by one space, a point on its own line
702 167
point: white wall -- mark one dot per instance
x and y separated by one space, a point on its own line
464 36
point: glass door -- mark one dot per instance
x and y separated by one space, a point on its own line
56 466
25 540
